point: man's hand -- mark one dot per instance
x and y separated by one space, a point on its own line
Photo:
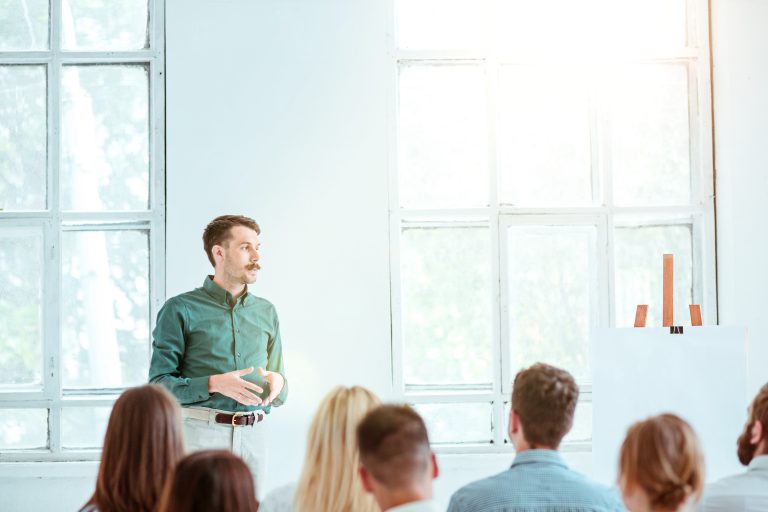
230 384
276 383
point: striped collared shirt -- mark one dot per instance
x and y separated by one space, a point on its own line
537 481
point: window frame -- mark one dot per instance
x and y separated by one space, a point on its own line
55 222
604 215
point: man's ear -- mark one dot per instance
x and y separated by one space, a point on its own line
513 426
435 468
365 479
218 253
758 432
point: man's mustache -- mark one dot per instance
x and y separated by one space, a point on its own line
254 266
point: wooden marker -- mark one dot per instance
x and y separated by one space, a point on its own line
695 315
640 315
668 303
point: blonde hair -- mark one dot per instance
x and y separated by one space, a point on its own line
329 480
662 455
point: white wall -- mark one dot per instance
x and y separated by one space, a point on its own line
276 109
740 58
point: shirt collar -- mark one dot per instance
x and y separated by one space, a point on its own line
759 463
537 455
416 506
220 294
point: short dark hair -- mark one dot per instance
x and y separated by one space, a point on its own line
218 231
394 446
544 397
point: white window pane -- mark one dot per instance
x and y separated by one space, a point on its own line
639 272
84 427
650 138
443 147
23 429
24 25
99 25
21 297
581 432
550 279
105 137
646 25
457 422
544 26
105 308
23 132
437 24
543 138
446 290
583 28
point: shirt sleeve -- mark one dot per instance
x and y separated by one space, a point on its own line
275 361
169 344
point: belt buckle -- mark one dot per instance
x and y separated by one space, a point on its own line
235 416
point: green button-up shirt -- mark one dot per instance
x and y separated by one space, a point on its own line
200 333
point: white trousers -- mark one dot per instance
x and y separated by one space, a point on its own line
247 442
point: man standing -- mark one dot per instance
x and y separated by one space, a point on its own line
745 492
397 464
208 342
543 403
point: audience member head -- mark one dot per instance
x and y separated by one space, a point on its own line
329 478
397 464
753 440
661 466
142 445
210 480
543 403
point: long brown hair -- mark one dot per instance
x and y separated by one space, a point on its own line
663 456
142 444
329 479
210 480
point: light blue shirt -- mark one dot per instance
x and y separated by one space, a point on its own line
537 481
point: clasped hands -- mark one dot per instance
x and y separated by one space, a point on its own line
232 384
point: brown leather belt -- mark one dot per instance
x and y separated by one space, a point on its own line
239 419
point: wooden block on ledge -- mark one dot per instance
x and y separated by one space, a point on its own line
695 315
640 315
668 308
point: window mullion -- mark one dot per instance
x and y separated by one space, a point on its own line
53 361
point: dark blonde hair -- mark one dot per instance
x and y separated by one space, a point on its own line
142 444
210 480
662 455
544 397
329 480
218 231
758 411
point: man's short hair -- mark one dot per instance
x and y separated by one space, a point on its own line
394 446
544 397
217 232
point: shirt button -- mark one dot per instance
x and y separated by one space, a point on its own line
238 354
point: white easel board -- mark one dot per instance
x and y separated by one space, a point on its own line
699 375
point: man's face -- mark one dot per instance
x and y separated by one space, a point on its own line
241 255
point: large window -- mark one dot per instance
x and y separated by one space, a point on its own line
81 216
545 154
